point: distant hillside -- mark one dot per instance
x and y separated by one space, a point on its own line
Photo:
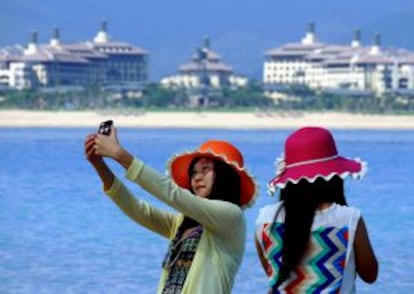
240 31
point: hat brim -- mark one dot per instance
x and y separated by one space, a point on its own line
340 166
179 164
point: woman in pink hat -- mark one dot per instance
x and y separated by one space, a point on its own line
311 241
208 187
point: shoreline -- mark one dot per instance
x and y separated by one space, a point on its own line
205 120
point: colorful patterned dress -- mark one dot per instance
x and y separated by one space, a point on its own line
329 263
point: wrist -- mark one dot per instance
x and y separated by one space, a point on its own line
123 157
98 163
119 153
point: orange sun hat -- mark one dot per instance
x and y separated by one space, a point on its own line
179 164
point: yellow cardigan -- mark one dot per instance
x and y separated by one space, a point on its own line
220 251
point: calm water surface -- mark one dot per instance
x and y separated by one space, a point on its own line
60 234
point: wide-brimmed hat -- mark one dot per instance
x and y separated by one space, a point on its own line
179 164
311 153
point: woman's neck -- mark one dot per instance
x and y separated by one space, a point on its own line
324 205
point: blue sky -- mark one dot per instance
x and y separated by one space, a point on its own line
241 31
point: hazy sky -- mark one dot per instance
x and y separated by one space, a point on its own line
240 31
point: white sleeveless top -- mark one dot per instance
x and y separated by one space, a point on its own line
329 263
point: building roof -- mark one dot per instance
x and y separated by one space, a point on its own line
408 60
85 50
294 49
335 49
114 47
402 56
11 53
373 59
210 66
47 53
278 52
337 55
205 56
302 47
5 56
340 55
210 55
80 52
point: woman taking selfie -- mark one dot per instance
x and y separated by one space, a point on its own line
208 187
311 241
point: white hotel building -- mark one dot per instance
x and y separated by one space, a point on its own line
204 76
204 69
352 69
101 62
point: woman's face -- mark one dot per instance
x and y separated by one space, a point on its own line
202 177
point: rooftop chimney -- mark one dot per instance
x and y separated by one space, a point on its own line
311 27
310 35
32 46
33 37
104 26
207 42
377 40
102 36
356 42
376 47
55 37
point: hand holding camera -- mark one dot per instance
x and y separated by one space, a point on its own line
106 141
105 127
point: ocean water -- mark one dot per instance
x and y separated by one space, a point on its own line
60 234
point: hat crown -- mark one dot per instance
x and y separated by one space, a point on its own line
225 149
309 143
310 154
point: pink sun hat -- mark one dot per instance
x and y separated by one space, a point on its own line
311 153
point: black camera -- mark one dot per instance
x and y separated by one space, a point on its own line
105 127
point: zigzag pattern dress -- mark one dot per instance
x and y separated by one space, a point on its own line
329 263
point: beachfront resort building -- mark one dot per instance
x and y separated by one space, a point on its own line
348 69
113 65
204 75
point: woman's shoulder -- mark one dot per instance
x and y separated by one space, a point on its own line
267 212
338 214
338 208
270 208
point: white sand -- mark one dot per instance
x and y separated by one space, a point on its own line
228 120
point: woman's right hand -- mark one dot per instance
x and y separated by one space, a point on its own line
90 154
108 145
99 146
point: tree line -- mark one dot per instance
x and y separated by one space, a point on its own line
154 96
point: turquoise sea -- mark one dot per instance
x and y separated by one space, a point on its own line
60 234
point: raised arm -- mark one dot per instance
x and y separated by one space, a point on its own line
213 214
218 216
366 262
159 221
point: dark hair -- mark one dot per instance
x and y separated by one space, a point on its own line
226 187
300 202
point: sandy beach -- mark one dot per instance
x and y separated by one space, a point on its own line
219 120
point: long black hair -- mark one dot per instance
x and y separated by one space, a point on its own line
300 202
226 187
